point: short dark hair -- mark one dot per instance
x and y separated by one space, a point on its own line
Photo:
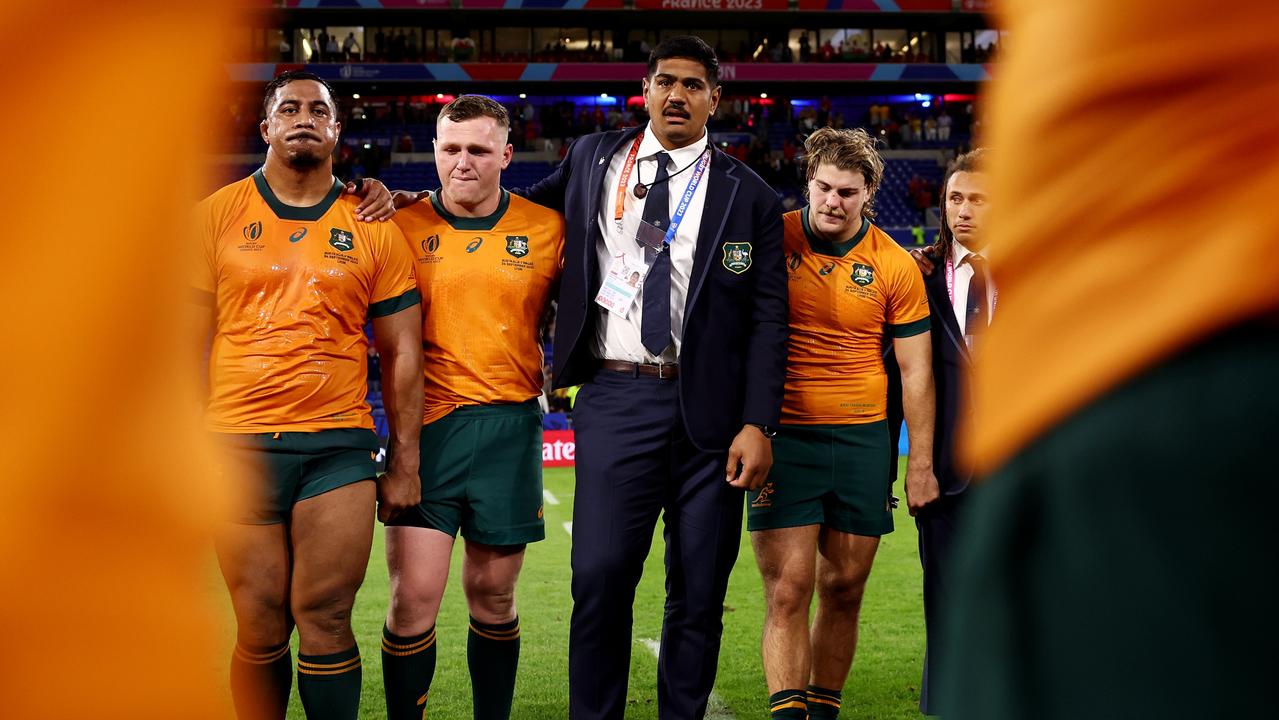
686 46
469 107
289 76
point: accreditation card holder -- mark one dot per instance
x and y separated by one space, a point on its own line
651 236
621 285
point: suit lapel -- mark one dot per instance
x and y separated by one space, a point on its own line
600 160
721 189
935 284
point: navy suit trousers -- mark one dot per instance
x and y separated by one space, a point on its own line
634 461
937 524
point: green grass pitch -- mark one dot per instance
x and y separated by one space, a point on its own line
884 682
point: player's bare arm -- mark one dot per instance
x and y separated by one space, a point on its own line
399 343
914 357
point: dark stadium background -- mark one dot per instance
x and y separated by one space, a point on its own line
906 70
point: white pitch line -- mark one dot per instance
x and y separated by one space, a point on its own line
715 707
568 528
549 498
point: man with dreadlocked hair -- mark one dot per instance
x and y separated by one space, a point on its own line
963 299
817 521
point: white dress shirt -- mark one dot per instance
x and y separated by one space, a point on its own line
619 338
963 278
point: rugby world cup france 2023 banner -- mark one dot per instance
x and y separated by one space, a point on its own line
558 448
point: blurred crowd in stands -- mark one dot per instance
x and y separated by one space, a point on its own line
410 45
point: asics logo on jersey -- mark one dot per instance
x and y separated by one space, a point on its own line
253 230
826 269
297 235
475 244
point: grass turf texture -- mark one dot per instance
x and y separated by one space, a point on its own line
884 682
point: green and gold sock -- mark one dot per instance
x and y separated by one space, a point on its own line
823 703
493 654
330 684
787 705
260 681
408 664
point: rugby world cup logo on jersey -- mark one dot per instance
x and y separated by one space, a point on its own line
793 263
431 244
863 274
737 257
343 240
517 245
253 230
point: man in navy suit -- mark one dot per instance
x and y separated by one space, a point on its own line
962 299
683 381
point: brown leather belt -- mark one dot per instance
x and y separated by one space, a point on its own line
667 371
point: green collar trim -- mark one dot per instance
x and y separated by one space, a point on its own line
293 212
825 247
488 222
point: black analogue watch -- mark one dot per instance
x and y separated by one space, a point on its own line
769 432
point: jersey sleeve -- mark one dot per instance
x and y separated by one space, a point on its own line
201 260
907 302
557 227
394 281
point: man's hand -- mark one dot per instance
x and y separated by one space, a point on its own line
924 258
398 490
921 488
749 459
377 204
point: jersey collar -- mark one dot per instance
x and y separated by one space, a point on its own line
488 222
294 212
825 247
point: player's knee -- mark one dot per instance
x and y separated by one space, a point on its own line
262 615
494 607
842 592
323 615
789 598
490 597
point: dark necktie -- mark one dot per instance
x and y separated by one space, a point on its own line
655 321
978 310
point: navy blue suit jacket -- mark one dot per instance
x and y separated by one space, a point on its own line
733 356
952 365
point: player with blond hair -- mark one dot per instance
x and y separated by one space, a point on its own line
817 521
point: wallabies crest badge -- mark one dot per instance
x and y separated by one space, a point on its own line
737 257
863 274
517 245
343 240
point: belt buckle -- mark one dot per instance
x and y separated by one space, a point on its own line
661 370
